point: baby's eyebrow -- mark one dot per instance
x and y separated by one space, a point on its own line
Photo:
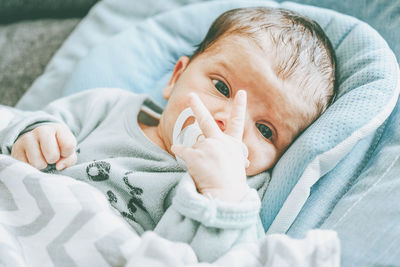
225 65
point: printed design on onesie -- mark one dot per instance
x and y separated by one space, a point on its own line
112 198
135 201
51 168
98 171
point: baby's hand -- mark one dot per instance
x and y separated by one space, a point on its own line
46 144
216 163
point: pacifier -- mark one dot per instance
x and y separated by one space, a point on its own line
187 136
191 134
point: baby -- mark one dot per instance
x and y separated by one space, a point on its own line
255 82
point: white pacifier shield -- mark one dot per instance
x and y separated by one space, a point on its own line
187 136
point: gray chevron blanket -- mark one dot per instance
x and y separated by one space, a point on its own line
53 220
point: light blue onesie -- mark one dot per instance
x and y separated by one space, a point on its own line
141 180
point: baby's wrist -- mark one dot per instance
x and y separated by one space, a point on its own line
227 194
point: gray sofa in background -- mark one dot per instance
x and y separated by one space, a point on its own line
14 10
30 32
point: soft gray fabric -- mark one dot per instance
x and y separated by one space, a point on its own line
25 49
13 10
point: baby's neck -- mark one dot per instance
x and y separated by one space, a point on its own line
151 132
149 123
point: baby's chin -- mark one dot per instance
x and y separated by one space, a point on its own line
250 171
253 170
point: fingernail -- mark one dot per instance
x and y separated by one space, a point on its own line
247 164
193 96
241 97
242 93
60 166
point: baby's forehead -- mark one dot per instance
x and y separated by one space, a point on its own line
240 41
241 56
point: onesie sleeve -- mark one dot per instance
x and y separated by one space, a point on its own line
81 113
209 225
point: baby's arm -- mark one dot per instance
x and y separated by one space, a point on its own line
214 208
50 135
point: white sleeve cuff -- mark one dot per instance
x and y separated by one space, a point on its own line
212 212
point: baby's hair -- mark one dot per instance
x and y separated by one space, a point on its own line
301 53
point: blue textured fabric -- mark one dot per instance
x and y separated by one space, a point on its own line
382 15
329 189
141 59
367 216
367 78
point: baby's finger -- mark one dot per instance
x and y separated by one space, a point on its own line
203 116
18 152
246 163
66 141
34 154
236 122
185 153
49 145
66 162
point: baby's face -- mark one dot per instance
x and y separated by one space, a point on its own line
273 118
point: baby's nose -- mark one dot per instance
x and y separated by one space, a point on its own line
221 125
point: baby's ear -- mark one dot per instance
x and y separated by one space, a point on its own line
180 66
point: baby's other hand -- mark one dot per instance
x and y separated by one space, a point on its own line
46 144
216 163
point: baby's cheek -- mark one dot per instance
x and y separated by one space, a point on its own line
261 157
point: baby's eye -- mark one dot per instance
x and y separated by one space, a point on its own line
264 130
221 87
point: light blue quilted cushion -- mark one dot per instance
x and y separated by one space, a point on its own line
142 57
